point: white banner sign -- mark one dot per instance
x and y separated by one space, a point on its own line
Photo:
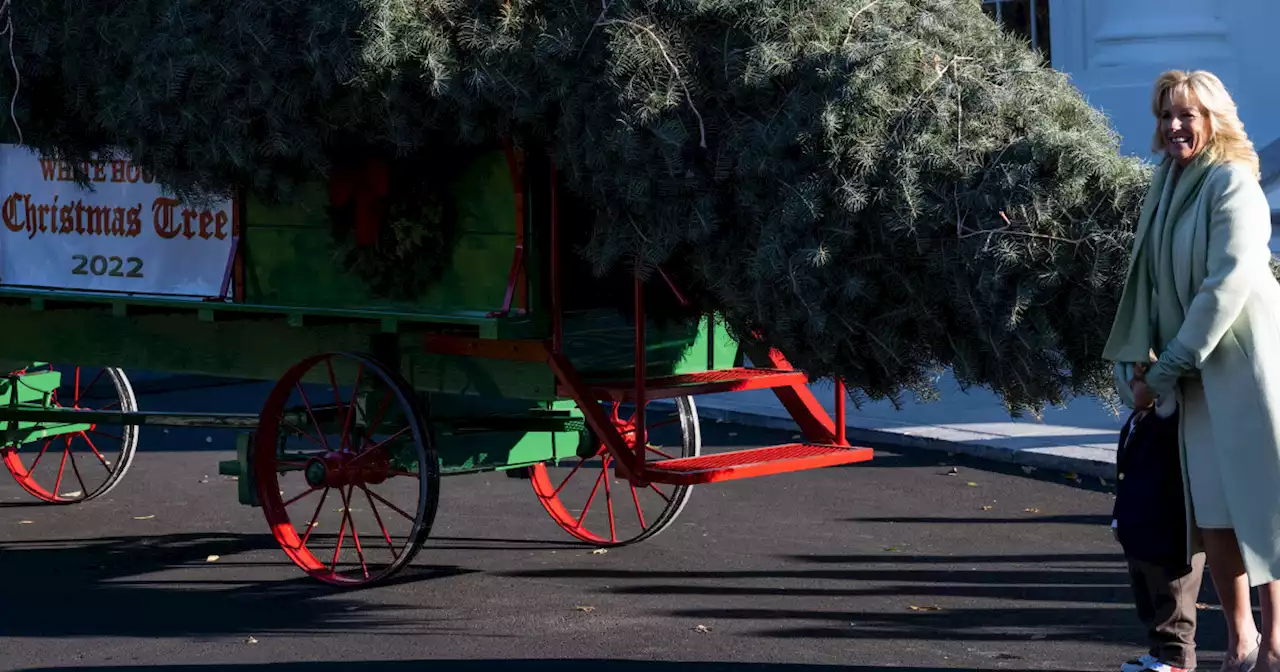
124 235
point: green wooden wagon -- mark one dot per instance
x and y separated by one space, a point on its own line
374 400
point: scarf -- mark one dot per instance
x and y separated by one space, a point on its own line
1151 309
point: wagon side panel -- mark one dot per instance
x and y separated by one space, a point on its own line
291 260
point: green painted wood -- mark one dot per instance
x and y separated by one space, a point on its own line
500 450
252 349
41 300
470 451
32 391
601 344
289 256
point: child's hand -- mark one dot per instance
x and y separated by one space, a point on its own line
1143 397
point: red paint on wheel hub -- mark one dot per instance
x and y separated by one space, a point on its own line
337 469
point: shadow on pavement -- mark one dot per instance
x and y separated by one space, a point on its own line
580 665
1099 520
113 572
1079 597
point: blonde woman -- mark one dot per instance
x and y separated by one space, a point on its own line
1200 296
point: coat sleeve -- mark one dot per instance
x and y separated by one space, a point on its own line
1238 252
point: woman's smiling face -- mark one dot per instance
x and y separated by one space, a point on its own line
1185 127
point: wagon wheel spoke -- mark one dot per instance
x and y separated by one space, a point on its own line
116 437
305 434
382 526
82 393
393 507
351 407
372 446
42 452
311 413
62 467
570 491
78 388
96 453
296 498
75 469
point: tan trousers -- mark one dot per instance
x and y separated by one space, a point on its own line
1166 601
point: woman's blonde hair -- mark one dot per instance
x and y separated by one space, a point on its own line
1228 142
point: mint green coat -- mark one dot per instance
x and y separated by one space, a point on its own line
1200 293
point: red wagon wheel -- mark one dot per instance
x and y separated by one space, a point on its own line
345 469
585 498
73 464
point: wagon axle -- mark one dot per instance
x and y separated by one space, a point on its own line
344 469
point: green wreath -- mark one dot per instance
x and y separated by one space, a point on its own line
415 235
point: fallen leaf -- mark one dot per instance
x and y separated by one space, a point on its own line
212 558
144 517
701 628
987 507
584 608
972 484
892 549
600 551
26 522
929 608
1031 510
251 640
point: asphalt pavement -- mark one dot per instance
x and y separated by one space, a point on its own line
915 561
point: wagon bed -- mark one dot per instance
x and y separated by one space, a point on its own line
493 368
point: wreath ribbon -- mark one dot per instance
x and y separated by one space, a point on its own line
367 186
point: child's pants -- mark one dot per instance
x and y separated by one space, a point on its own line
1166 601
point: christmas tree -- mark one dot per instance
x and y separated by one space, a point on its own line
879 188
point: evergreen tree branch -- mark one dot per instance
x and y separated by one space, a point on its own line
675 70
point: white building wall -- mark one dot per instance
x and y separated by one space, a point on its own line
1114 49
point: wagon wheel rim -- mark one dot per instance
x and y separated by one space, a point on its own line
586 499
346 474
81 465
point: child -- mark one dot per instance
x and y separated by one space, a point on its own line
1151 525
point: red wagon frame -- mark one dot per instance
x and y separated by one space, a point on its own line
825 443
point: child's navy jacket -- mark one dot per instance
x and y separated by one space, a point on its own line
1151 523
